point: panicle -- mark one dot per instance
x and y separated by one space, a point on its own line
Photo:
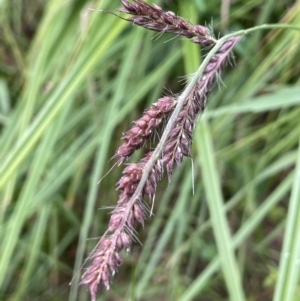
131 208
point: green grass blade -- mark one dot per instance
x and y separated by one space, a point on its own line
241 236
215 204
288 275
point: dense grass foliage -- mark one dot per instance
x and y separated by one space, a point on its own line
73 79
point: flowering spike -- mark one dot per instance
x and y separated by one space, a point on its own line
154 18
143 127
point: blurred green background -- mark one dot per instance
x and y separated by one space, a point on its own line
72 80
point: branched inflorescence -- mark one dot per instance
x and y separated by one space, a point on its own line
131 208
154 18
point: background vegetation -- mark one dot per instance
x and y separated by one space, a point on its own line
72 80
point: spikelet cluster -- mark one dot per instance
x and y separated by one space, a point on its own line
142 129
126 215
154 18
